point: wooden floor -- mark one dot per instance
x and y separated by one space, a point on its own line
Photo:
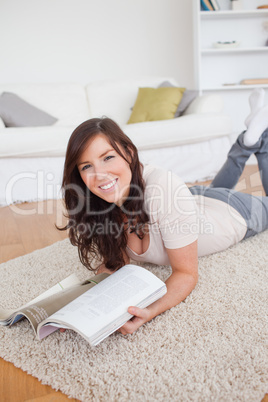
27 227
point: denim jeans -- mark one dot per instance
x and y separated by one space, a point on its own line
254 209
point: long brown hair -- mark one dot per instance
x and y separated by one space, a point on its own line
96 227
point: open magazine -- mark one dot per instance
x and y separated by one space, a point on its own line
94 308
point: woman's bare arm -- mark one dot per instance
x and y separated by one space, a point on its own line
184 263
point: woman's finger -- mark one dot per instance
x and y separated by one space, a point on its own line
138 312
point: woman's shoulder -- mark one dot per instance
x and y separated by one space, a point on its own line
157 175
165 191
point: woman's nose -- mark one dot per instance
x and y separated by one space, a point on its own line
100 173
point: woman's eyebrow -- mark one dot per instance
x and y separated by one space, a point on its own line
104 153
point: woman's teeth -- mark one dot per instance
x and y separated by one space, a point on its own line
108 185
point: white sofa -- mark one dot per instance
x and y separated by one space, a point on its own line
31 158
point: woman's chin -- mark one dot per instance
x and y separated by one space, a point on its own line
110 199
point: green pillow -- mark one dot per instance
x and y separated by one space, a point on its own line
156 104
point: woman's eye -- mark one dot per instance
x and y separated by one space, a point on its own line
109 157
85 167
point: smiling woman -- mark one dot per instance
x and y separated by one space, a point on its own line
119 209
103 192
105 172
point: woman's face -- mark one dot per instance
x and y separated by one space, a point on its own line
104 171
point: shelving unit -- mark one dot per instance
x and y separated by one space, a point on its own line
248 60
232 13
222 69
233 87
235 50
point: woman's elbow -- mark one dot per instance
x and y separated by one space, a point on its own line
194 279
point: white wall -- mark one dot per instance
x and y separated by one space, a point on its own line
87 40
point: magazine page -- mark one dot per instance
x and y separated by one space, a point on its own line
118 322
38 311
7 315
106 303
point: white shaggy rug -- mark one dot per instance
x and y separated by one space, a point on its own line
212 347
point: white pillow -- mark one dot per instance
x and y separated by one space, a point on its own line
205 104
2 123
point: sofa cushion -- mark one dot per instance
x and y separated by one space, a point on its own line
15 112
115 98
67 102
2 125
205 104
52 141
34 141
187 97
156 104
184 130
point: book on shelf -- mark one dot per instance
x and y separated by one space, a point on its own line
254 81
215 5
206 5
94 308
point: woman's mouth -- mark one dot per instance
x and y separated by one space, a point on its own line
108 186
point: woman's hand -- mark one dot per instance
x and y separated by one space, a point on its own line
141 316
184 264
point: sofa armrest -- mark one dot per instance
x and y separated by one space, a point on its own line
205 104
